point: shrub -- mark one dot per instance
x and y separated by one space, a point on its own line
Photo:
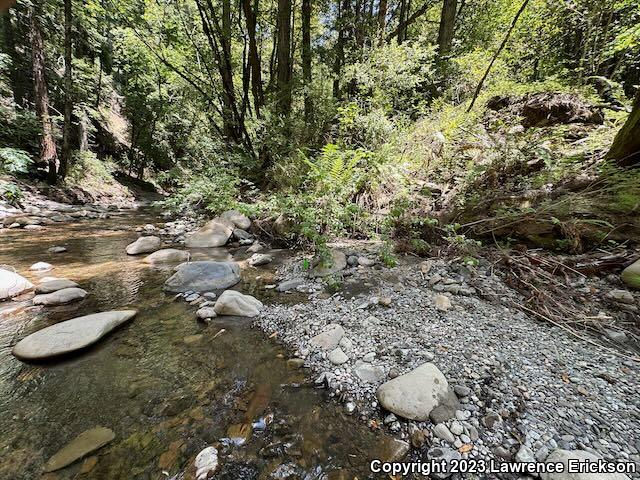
13 160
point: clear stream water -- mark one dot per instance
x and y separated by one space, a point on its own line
165 398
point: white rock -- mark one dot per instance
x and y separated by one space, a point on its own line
206 312
41 267
55 285
235 303
60 297
329 338
237 218
337 356
442 303
12 284
258 259
214 233
144 245
168 255
206 462
414 394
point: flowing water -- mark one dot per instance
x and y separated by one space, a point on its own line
166 384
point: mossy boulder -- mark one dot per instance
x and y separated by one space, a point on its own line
631 275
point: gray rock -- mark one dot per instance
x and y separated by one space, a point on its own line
206 312
565 456
203 276
57 250
258 259
55 285
414 394
144 245
256 247
168 255
352 260
214 233
462 391
237 304
60 297
456 428
12 284
631 275
439 454
616 336
69 336
337 356
622 296
290 284
366 262
442 431
338 263
525 455
329 338
240 234
446 409
237 218
369 373
85 443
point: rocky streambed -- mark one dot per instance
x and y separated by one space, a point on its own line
422 361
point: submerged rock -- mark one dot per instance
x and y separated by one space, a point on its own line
69 336
60 297
51 286
85 443
214 233
144 245
414 394
57 250
203 276
12 284
236 304
168 255
631 275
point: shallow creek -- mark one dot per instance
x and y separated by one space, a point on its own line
165 393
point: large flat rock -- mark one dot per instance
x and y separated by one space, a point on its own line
144 245
203 276
71 335
214 233
60 297
85 443
414 394
12 284
337 263
51 286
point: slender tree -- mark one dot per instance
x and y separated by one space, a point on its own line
306 58
48 151
255 66
283 56
382 20
447 26
17 82
68 94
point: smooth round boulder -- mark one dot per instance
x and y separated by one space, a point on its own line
238 219
85 443
577 457
203 276
205 313
631 275
414 394
214 233
60 297
70 335
236 304
41 267
12 284
144 245
258 259
168 255
51 286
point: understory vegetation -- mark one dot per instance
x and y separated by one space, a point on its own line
353 118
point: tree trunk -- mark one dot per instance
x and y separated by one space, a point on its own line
283 71
626 146
401 21
306 59
68 85
255 66
339 49
48 152
382 20
17 81
447 26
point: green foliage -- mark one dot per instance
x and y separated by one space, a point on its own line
13 160
11 193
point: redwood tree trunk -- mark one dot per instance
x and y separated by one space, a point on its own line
626 146
254 57
283 55
48 152
306 58
17 81
382 20
447 25
68 85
